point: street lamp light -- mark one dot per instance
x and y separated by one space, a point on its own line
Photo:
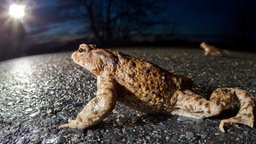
15 25
17 11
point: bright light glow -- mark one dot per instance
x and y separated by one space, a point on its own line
17 11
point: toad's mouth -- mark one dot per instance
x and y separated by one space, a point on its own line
73 56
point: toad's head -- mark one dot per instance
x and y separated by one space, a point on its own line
93 59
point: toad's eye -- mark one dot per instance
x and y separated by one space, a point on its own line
80 50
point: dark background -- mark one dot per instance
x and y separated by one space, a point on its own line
61 25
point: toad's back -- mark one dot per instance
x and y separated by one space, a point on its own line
143 85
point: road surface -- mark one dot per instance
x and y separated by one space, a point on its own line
38 93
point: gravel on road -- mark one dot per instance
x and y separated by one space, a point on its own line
38 93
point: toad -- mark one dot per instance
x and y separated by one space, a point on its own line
212 50
146 87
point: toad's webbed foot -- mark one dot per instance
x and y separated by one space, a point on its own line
246 113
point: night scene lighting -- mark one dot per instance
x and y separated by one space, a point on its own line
127 71
17 11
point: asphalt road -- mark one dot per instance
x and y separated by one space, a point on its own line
38 93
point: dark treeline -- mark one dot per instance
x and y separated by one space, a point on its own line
115 23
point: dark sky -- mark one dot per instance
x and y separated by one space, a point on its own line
199 20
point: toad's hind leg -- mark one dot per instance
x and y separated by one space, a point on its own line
192 105
227 97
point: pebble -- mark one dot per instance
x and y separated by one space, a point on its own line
189 134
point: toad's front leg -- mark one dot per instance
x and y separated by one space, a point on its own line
98 108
